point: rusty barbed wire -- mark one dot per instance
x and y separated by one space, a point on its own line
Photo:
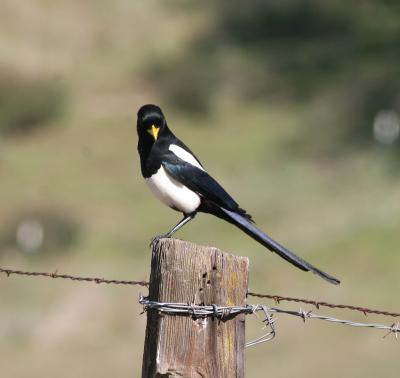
276 298
55 274
318 304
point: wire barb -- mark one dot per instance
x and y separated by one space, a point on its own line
269 322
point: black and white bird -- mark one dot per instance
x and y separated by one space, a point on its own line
178 179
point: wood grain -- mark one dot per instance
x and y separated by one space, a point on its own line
181 346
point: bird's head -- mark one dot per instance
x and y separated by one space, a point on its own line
150 122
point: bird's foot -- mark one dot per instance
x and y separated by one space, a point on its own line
155 239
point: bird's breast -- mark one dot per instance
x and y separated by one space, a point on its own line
173 193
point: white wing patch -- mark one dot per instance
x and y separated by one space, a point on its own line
184 155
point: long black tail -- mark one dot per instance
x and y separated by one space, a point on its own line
250 229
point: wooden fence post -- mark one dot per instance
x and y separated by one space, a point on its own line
181 346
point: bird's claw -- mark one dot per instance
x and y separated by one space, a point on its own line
155 239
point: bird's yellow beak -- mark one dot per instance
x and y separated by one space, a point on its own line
154 131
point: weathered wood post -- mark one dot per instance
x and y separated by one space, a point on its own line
182 346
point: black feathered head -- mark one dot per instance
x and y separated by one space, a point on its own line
150 121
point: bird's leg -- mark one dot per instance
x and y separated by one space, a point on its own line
187 218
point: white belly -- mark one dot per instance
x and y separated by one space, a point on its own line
173 193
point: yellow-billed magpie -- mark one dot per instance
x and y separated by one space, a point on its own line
177 178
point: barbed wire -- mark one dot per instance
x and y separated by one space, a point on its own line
222 312
55 274
318 304
215 311
276 298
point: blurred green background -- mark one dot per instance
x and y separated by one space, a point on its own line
293 105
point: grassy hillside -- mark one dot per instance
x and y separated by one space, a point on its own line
77 173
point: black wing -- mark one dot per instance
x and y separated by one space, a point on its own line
199 181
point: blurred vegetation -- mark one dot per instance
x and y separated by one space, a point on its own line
40 233
295 51
28 103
